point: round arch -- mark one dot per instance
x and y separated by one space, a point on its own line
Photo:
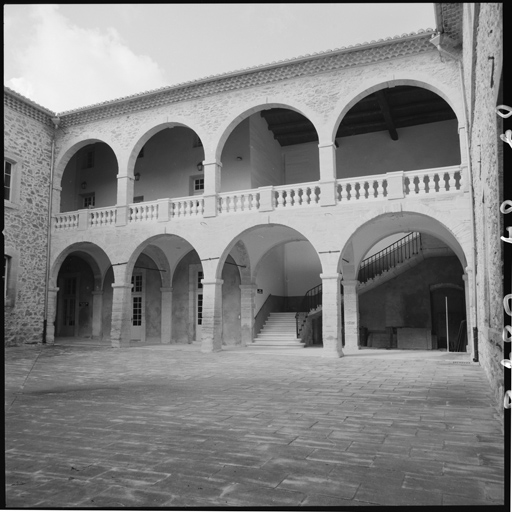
246 111
374 84
379 225
158 256
148 130
284 234
94 255
72 147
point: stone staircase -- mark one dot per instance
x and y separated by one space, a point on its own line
279 332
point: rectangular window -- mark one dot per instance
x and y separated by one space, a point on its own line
89 200
197 142
137 283
200 309
138 199
137 311
7 180
88 158
198 184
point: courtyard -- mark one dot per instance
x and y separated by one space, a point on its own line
168 426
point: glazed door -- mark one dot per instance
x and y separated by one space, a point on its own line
68 307
199 305
138 329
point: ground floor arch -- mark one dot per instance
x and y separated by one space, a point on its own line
394 296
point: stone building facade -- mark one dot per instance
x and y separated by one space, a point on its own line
190 212
28 139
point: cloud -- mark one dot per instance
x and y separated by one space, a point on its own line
65 66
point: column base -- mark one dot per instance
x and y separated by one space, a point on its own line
330 353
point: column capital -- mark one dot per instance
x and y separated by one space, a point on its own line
212 162
97 292
212 281
349 282
128 286
248 287
330 276
327 145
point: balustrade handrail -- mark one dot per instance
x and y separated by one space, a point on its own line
390 256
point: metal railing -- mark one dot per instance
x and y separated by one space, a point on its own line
390 257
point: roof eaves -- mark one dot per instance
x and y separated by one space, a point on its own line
29 101
259 68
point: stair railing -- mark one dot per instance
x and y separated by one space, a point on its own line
312 300
390 257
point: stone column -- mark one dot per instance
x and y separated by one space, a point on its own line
247 312
166 315
97 309
211 188
51 315
468 310
121 309
351 316
331 315
212 316
327 158
124 198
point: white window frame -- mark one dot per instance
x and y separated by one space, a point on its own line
193 191
16 166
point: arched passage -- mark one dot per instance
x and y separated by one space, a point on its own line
283 267
88 176
396 126
77 293
387 295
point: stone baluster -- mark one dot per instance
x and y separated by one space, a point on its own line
280 198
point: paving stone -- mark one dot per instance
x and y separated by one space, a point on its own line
168 427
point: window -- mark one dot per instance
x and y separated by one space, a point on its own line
196 185
88 157
197 142
138 199
89 200
12 180
7 180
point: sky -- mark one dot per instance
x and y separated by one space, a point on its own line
65 56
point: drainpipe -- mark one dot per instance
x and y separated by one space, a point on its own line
56 122
472 197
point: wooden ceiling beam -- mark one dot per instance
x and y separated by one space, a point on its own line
386 112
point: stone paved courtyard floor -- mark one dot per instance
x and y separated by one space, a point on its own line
169 426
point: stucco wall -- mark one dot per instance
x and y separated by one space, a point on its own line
28 142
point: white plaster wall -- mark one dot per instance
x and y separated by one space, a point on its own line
266 155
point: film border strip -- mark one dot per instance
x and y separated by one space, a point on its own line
505 208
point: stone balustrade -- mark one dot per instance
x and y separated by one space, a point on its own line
379 187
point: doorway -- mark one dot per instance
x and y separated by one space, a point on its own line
138 328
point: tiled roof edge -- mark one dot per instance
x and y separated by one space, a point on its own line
25 106
260 68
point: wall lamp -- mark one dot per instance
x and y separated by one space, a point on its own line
83 185
200 167
137 176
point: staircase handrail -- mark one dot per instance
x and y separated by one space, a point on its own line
390 256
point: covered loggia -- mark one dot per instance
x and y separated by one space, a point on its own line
169 164
283 267
77 304
271 147
404 273
89 179
396 127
